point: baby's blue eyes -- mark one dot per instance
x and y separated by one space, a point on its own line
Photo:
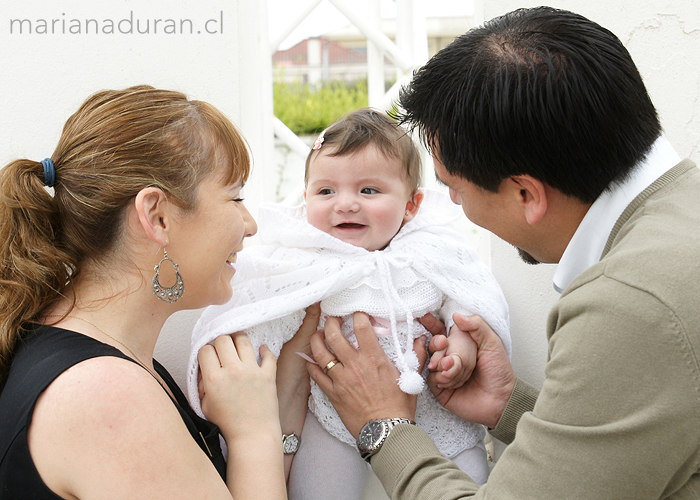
369 191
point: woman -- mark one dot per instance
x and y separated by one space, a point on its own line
141 178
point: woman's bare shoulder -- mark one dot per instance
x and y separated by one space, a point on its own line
105 427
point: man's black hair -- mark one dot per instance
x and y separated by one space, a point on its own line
540 91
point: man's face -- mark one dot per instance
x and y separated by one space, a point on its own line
479 205
492 211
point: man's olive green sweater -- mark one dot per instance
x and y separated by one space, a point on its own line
618 416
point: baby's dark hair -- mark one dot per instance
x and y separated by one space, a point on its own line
362 127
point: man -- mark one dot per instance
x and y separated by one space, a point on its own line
541 126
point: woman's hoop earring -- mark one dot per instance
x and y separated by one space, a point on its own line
168 294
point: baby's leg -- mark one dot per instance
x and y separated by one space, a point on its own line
474 462
325 468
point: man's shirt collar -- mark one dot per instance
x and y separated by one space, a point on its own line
588 242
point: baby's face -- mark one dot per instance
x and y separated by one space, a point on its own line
361 198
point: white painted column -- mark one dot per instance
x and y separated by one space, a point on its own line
255 98
313 59
375 59
404 30
478 12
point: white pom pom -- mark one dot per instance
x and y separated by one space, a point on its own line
411 360
411 382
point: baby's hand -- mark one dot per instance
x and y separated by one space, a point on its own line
454 358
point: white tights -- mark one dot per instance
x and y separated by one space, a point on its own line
325 467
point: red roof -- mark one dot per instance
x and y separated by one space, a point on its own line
337 54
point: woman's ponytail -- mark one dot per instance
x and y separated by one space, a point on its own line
34 270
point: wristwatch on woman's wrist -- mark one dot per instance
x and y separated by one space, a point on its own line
374 433
290 443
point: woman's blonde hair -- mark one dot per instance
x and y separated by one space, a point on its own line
116 144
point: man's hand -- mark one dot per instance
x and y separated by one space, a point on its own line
363 385
484 397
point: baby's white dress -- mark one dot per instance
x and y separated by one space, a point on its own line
427 267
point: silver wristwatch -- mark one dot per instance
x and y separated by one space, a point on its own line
374 433
290 443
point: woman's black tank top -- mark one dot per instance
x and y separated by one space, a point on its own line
44 354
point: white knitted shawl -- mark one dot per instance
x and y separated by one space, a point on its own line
427 267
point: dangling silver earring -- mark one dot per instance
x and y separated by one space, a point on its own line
168 294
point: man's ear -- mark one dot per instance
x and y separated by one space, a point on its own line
531 196
413 205
152 208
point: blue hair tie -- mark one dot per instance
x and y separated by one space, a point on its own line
49 172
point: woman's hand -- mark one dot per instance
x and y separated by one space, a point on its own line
239 396
363 385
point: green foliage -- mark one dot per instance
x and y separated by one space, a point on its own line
308 110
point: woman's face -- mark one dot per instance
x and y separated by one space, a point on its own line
205 243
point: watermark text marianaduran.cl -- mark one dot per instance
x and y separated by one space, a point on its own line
128 25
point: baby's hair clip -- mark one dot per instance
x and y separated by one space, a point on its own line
319 141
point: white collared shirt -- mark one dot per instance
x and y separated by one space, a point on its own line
588 242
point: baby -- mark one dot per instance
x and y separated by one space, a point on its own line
365 239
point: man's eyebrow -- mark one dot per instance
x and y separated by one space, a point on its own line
439 181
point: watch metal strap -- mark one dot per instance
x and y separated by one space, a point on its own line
395 421
390 423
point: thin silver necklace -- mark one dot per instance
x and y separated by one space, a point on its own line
108 335
137 360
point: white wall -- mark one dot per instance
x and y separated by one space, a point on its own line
45 77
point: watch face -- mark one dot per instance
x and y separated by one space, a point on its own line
291 444
371 434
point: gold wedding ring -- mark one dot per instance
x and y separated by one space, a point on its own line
330 365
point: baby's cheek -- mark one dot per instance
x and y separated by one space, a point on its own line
314 216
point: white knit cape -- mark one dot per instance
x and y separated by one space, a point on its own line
427 267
